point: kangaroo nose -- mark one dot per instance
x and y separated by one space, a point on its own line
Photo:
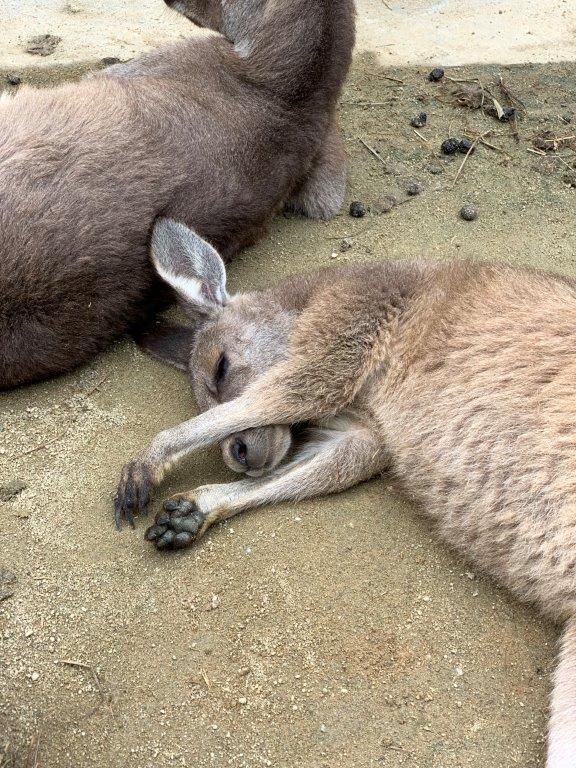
239 451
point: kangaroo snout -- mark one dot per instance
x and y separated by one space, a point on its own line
256 451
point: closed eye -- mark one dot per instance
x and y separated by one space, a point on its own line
221 370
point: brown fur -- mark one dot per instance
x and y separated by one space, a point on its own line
216 133
455 378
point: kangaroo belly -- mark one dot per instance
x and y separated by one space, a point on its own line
481 432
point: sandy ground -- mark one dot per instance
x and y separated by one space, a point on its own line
330 634
401 32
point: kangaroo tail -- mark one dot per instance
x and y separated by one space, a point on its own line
562 734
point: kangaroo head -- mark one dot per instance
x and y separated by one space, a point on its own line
235 19
232 340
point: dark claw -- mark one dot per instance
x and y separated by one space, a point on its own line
133 493
130 518
118 512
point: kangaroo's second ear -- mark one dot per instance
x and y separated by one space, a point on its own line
167 342
190 265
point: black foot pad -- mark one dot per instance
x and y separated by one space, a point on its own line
177 526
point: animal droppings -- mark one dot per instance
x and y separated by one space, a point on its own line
507 115
465 146
450 146
436 75
357 210
468 213
13 79
419 120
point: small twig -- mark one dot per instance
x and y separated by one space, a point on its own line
32 758
371 150
386 4
105 695
536 152
360 103
477 137
393 79
72 663
467 155
205 678
464 80
95 387
509 95
43 445
421 136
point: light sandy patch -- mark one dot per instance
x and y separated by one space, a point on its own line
407 32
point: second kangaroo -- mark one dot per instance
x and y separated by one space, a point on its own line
218 132
455 378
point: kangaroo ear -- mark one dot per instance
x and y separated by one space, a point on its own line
167 342
190 265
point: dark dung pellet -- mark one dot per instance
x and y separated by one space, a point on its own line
436 74
466 146
419 120
450 146
507 114
357 209
13 79
468 213
108 61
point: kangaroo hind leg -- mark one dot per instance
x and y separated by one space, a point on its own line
323 191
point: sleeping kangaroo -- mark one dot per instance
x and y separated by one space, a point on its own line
218 132
456 378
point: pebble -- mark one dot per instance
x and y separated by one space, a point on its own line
385 204
215 602
323 728
242 700
42 45
414 188
35 676
570 178
450 146
346 244
436 74
468 213
357 209
13 79
435 169
419 120
11 489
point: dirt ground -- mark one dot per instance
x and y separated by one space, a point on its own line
330 634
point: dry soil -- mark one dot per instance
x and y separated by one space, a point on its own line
328 634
